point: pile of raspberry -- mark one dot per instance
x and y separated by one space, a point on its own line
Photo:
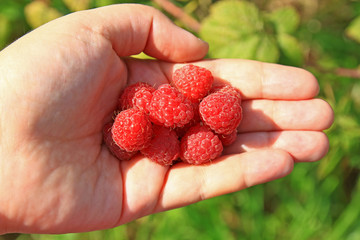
189 120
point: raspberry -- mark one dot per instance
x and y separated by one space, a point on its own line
136 95
115 150
132 130
180 131
164 148
193 81
221 111
200 145
227 89
202 116
228 139
170 108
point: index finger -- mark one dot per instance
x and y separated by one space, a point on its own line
258 80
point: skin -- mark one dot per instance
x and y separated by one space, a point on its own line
60 84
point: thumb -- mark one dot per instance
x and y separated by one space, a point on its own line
135 28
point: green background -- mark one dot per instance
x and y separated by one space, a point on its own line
318 200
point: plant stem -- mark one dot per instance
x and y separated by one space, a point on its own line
180 14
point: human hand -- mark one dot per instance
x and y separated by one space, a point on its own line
59 86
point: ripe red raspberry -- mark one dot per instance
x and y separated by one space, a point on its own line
164 148
180 131
227 89
200 145
170 108
228 139
136 95
115 150
132 130
193 81
221 111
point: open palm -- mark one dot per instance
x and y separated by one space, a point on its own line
60 85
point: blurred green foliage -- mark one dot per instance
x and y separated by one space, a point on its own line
318 200
254 35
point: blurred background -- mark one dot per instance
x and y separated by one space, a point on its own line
318 200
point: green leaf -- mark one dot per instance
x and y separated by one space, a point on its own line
355 93
4 31
24 237
291 49
142 55
77 5
355 161
347 122
353 30
235 49
240 16
285 20
348 218
267 50
212 28
101 3
233 30
37 13
11 10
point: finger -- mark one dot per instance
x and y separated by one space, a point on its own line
303 146
189 184
268 115
133 28
258 115
257 80
147 71
142 183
